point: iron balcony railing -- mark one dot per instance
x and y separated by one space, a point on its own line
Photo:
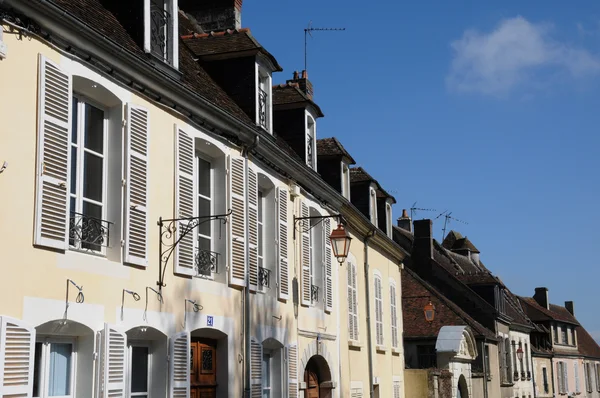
262 108
264 277
88 233
206 263
309 150
159 28
314 293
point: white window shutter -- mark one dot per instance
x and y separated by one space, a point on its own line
328 266
396 389
113 351
378 311
253 227
17 349
282 243
559 378
351 335
185 202
576 370
566 370
355 301
393 314
256 355
304 227
147 26
53 158
136 192
237 225
292 368
179 365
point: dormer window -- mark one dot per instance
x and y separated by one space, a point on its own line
345 181
388 219
311 158
161 30
263 117
373 206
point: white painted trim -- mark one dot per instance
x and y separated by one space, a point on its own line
164 322
37 311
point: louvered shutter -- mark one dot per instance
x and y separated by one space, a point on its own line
396 389
355 301
256 354
304 227
53 159
113 348
393 314
576 370
351 334
136 196
253 227
185 202
237 226
566 383
292 368
179 365
327 262
378 311
282 243
17 348
559 378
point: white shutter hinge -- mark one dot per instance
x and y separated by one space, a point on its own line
123 182
122 243
124 122
95 356
168 358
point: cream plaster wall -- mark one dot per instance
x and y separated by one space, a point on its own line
538 364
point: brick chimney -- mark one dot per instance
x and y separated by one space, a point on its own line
214 15
570 307
541 296
303 83
423 243
404 222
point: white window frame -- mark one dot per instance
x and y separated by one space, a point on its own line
312 254
81 102
171 54
388 219
373 206
261 224
313 162
266 375
47 341
378 294
2 45
130 345
211 199
345 180
264 82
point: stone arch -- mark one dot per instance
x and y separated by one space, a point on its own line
316 348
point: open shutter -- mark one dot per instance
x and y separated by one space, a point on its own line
305 244
327 263
350 298
292 368
113 349
237 226
393 315
566 383
282 243
256 354
17 348
179 365
253 227
576 370
185 202
53 159
136 196
355 301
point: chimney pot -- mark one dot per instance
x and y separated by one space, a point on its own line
296 75
304 74
541 297
570 306
404 222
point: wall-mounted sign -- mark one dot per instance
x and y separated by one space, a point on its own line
209 320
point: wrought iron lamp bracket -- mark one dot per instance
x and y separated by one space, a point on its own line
306 226
167 230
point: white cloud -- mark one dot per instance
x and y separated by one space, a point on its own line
516 54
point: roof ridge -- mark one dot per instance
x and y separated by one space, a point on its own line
216 34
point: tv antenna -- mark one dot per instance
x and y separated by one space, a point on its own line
414 208
307 31
448 217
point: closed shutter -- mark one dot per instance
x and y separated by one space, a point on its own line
253 227
378 311
17 348
355 301
393 315
356 393
185 202
566 376
292 368
237 226
305 244
327 262
282 243
179 365
53 158
256 355
597 377
559 378
576 370
113 348
396 389
136 197
350 298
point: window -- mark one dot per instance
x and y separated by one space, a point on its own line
563 378
576 373
160 27
378 310
597 372
352 303
311 159
53 373
563 334
87 228
345 181
508 364
139 370
373 207
588 368
264 102
426 356
267 235
514 361
316 252
266 375
555 327
388 219
573 339
527 361
263 279
545 379
488 371
204 172
393 314
273 370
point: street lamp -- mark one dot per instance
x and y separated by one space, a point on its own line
340 243
520 353
429 311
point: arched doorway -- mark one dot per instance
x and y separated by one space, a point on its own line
462 390
317 377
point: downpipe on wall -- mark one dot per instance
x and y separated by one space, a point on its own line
368 298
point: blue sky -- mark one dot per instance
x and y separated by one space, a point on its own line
487 109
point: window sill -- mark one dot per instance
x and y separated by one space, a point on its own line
380 349
354 344
506 384
396 351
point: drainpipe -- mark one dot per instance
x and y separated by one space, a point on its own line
247 354
485 369
532 370
368 299
552 374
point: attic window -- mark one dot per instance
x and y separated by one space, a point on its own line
264 99
373 206
345 181
310 143
160 30
388 219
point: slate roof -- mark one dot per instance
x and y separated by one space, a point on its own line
332 147
358 174
229 42
403 238
416 293
455 241
462 267
290 93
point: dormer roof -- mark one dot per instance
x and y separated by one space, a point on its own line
332 147
290 94
227 44
358 174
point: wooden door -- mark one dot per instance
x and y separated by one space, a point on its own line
203 369
312 384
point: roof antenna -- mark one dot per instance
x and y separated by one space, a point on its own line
413 210
448 217
307 31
